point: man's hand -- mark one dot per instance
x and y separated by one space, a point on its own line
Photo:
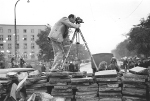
79 25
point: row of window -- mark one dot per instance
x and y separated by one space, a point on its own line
9 38
25 55
24 30
24 46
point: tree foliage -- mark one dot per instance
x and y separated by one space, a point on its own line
46 50
139 37
122 51
2 56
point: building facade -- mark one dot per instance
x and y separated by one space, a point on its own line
26 40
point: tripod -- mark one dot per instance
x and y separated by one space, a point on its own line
76 34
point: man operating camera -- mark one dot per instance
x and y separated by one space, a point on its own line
57 35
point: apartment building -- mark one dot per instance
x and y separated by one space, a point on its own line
26 37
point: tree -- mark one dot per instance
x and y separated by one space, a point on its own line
80 50
2 56
46 50
139 37
122 51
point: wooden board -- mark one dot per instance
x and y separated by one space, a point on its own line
136 85
4 71
86 93
110 89
129 98
106 79
133 80
110 99
139 70
59 80
106 73
131 75
134 92
78 80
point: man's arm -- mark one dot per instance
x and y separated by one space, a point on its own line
69 24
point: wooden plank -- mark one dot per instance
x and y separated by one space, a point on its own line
131 75
139 70
110 99
136 85
136 80
106 79
59 80
86 93
133 92
110 89
5 71
106 73
78 80
129 98
108 85
81 89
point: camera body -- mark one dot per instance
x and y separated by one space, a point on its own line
79 20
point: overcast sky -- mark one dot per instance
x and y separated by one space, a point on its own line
106 21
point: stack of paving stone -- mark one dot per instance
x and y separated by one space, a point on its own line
148 84
61 85
109 85
4 85
36 83
134 87
86 88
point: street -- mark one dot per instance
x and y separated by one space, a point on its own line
86 67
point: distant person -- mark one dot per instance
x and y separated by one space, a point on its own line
22 62
43 68
113 65
102 66
12 62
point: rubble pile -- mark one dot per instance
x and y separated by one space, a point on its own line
108 85
4 84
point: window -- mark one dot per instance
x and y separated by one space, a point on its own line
1 30
25 37
1 46
32 45
9 46
32 30
9 37
25 55
24 31
9 55
1 37
9 30
25 46
17 37
17 46
32 55
32 37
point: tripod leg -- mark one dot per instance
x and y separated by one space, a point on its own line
68 50
88 49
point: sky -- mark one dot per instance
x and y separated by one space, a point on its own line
105 21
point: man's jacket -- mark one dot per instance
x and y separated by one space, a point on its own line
60 28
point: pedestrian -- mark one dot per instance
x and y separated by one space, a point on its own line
57 35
